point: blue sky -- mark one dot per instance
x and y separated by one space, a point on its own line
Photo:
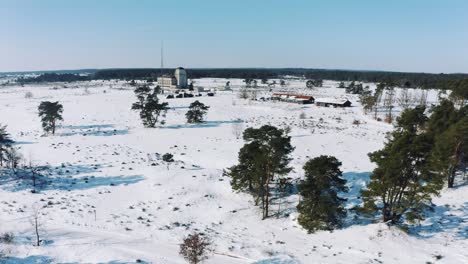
398 35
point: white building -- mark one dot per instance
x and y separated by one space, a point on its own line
178 81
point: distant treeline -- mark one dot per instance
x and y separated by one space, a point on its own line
401 79
54 77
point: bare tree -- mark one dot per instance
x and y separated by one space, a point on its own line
37 174
377 97
13 158
36 216
253 94
195 248
238 128
244 93
404 99
423 98
388 103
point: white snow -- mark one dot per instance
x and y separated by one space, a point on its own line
107 203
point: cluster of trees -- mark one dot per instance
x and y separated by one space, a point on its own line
263 163
421 154
151 109
314 83
354 88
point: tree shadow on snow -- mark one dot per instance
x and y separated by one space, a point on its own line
278 260
124 262
72 177
92 130
23 143
29 260
440 219
205 124
443 219
356 181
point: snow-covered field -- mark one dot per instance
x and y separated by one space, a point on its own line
108 203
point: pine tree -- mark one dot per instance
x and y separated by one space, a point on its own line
460 92
263 159
367 100
51 114
320 207
451 150
5 143
197 110
402 183
149 106
442 117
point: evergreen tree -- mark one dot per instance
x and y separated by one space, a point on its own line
367 100
197 110
442 117
5 144
263 159
50 113
341 85
402 183
149 106
320 207
451 150
460 92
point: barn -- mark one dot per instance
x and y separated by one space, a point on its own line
293 98
333 102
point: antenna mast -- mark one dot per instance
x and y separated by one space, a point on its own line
162 57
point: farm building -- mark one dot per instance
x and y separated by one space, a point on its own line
293 98
333 102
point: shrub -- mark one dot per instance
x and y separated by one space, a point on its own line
28 95
195 248
7 238
168 157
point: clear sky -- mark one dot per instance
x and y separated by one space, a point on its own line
399 35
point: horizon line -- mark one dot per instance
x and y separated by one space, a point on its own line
220 68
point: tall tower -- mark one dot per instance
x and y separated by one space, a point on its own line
181 77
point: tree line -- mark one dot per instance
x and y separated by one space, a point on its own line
399 79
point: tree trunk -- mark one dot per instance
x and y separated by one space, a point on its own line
452 170
38 241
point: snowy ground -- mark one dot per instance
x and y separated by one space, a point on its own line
108 204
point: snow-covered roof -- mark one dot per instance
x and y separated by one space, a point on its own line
331 100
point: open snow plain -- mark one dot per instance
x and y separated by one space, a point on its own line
110 200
